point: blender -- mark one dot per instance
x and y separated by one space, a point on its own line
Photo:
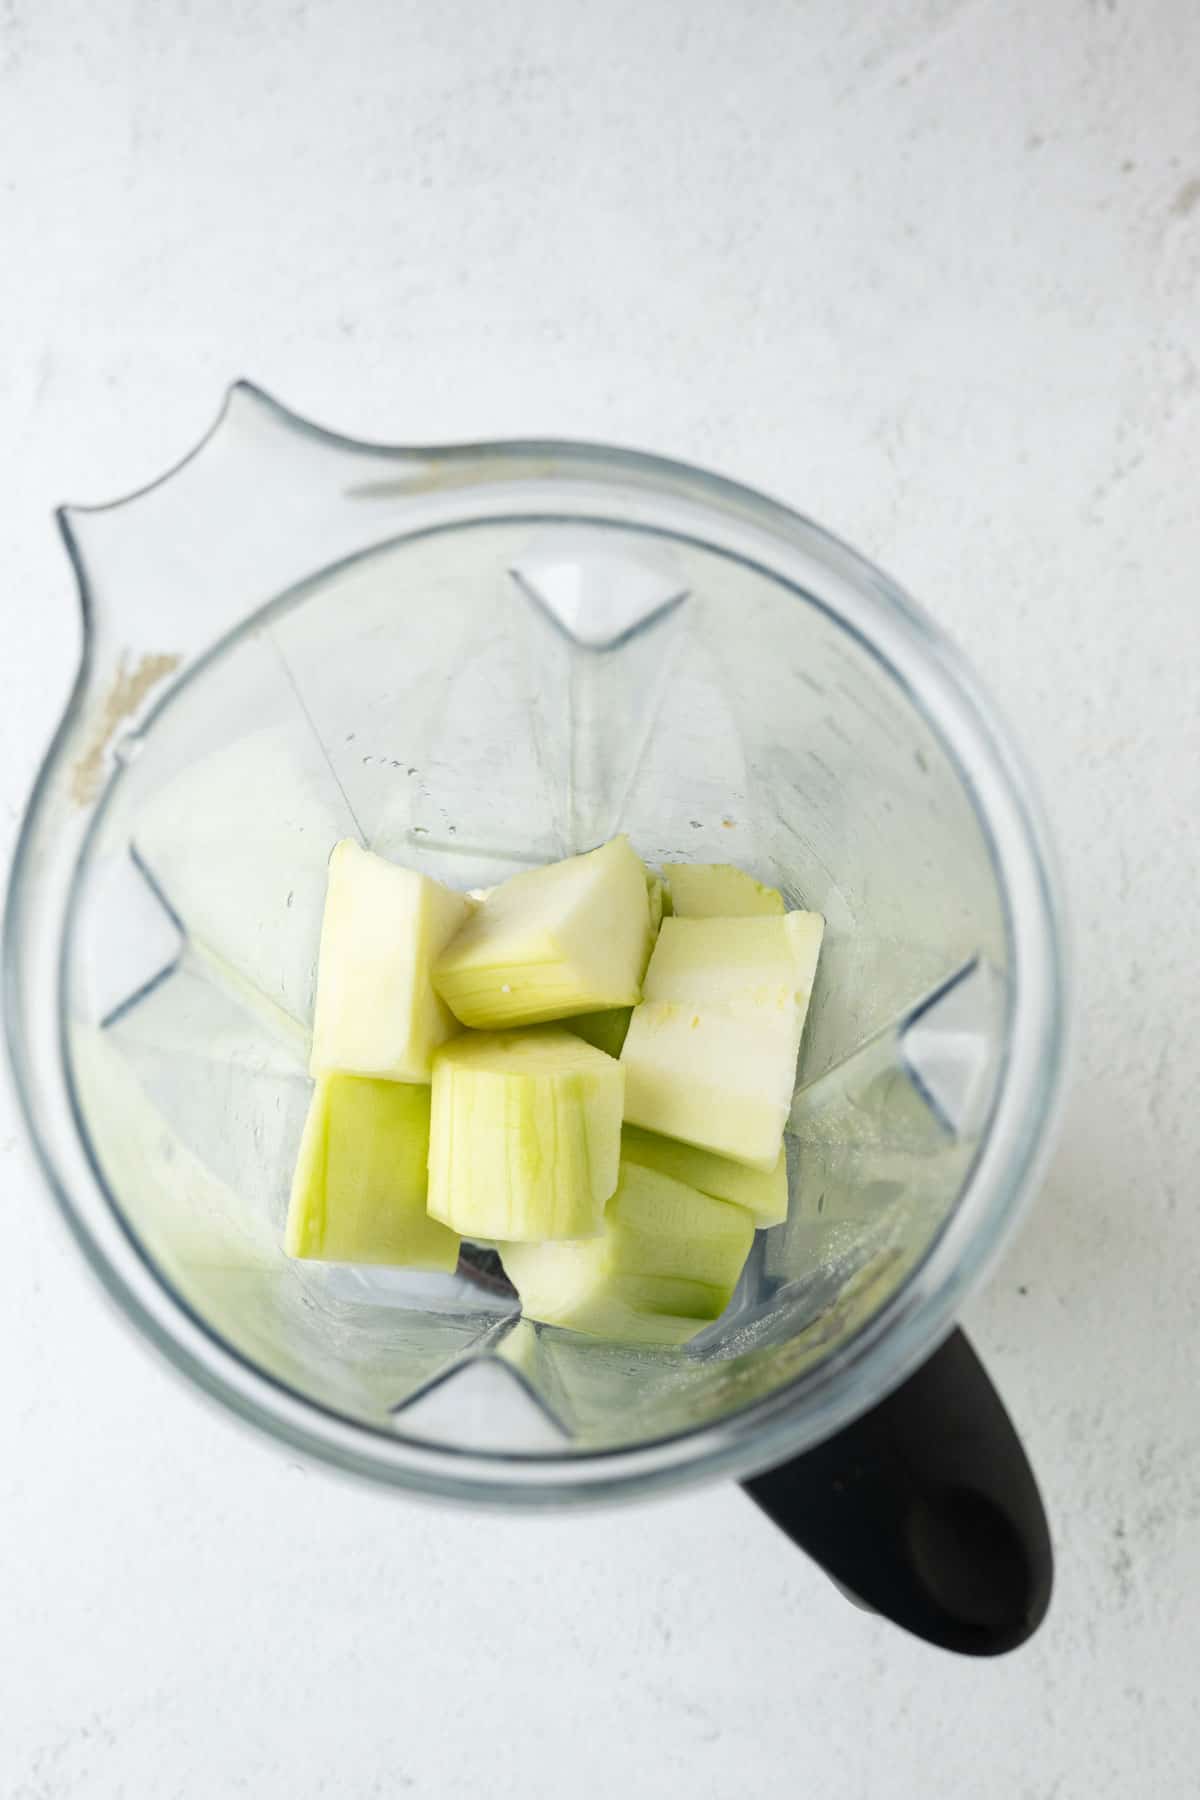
476 659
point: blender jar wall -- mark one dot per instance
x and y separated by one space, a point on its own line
681 701
440 699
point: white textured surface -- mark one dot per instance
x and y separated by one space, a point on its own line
929 270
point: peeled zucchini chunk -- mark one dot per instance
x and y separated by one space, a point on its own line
757 968
525 1138
764 1196
710 1056
719 891
713 1080
664 1266
569 938
377 1013
358 1193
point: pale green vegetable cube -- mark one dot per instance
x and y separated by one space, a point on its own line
569 938
377 1012
757 967
719 891
526 1135
358 1193
710 1056
764 1195
712 1079
664 1266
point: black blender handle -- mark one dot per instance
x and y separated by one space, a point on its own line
926 1510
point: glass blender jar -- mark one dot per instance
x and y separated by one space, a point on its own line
475 659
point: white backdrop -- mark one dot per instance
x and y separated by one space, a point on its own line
930 270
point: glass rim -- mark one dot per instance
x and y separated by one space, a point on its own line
913 1319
